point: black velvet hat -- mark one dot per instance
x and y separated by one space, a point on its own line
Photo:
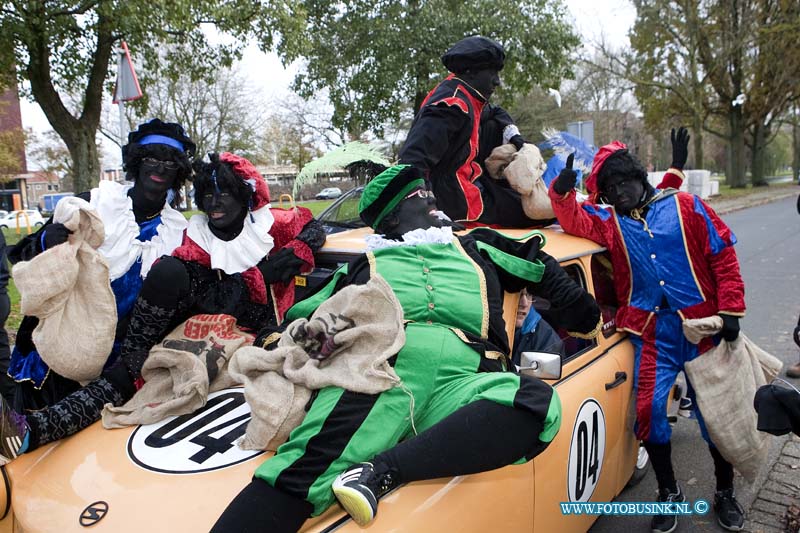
475 53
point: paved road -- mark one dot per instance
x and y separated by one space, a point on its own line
769 254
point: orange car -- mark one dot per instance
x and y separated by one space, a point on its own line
180 474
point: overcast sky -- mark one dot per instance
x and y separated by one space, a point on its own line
592 17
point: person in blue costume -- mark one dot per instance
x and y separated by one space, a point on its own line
140 227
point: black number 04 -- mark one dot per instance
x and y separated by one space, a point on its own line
587 456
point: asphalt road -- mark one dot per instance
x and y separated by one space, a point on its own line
769 256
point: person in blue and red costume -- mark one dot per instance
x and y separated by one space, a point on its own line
673 259
456 129
227 264
455 368
140 226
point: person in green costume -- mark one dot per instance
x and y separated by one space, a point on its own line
455 363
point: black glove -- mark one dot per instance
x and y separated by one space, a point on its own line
680 147
281 267
517 140
54 235
730 327
567 179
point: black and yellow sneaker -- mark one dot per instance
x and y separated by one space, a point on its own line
359 488
13 429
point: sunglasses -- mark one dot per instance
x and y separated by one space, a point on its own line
152 161
422 193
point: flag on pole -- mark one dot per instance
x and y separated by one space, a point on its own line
126 87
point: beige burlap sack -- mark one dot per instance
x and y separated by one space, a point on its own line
725 380
346 343
181 371
67 289
523 169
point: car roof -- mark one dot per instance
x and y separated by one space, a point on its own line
557 243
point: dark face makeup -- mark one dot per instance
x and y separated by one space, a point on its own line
623 193
225 213
417 211
156 177
485 81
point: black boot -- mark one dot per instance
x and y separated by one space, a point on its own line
148 325
80 409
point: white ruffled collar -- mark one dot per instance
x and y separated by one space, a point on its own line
432 235
243 252
121 247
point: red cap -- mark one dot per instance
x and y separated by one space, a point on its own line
248 172
600 157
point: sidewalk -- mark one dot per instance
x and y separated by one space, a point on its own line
759 196
778 501
776 507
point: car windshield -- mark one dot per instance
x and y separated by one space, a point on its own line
343 213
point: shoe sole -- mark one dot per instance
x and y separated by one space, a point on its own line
685 413
729 528
355 504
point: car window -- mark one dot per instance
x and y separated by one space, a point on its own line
345 211
572 346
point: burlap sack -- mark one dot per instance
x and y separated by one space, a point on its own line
356 331
67 289
523 169
180 371
725 380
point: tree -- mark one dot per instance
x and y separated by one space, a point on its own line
69 47
217 114
11 141
695 58
378 58
51 155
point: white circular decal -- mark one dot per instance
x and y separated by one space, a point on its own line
586 451
198 442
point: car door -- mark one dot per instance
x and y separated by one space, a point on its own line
581 464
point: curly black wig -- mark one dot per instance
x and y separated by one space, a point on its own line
226 178
134 151
621 163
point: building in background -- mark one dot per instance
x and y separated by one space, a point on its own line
14 167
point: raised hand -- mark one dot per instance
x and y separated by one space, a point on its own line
567 178
680 147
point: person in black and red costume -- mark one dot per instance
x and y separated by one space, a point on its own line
456 129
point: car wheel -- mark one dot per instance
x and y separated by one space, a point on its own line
641 468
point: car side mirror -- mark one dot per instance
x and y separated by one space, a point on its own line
541 365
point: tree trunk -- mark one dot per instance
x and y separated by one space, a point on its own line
697 133
757 156
85 161
736 151
796 150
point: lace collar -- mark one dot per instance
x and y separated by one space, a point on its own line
243 252
432 235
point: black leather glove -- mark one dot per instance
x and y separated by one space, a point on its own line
680 147
54 235
730 327
567 179
517 140
281 267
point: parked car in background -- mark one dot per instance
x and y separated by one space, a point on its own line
118 480
14 218
342 214
329 193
